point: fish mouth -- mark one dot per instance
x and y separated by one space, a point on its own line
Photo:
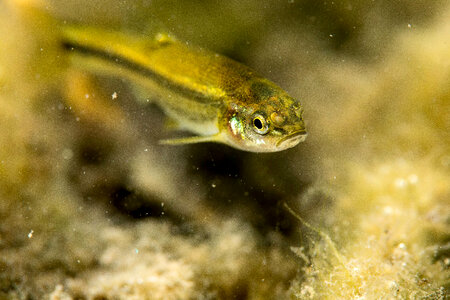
293 138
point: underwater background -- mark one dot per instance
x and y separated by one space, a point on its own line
92 207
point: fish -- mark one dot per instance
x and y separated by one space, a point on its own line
207 94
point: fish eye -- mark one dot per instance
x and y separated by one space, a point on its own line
260 124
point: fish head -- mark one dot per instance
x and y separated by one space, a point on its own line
272 121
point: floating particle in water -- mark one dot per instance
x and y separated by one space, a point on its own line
67 154
400 182
413 178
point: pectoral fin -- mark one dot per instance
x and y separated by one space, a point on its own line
171 124
192 140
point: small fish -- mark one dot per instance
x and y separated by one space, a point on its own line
210 95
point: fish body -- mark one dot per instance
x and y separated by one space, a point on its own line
215 97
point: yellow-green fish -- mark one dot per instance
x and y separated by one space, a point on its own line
210 95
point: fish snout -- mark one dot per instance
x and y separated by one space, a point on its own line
292 139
